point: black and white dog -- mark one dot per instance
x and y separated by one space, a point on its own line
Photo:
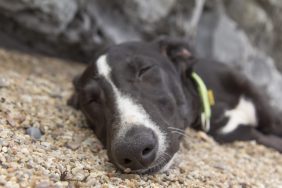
136 95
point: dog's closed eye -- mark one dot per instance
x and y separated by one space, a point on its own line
144 70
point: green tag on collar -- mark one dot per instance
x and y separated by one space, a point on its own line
206 106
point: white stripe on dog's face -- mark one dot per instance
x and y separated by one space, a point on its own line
244 114
130 113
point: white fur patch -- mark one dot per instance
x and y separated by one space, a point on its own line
243 114
130 112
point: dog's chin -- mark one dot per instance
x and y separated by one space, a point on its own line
160 165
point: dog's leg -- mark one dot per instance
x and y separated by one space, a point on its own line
271 141
277 125
270 121
246 133
242 133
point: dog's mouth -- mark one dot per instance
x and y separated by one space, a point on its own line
161 164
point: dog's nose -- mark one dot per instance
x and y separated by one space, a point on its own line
137 149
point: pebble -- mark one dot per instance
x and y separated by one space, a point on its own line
79 174
5 149
205 137
43 184
220 166
127 170
24 150
2 100
34 132
10 184
73 145
47 145
4 82
57 93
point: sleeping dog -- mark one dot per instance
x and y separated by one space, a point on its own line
137 95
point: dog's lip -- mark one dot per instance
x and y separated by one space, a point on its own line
156 167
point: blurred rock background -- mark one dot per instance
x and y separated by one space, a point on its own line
243 33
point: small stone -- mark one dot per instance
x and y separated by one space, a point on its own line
57 93
10 170
127 170
4 149
43 184
2 100
220 166
76 142
79 174
47 145
182 169
4 82
10 184
73 145
204 136
34 132
11 121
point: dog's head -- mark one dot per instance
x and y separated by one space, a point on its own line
138 97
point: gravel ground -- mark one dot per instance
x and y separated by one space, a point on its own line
65 153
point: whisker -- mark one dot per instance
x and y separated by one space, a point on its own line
159 164
180 133
167 155
173 128
164 157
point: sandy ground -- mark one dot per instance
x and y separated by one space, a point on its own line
33 93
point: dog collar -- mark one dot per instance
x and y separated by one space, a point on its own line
207 99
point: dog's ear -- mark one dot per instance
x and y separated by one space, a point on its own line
73 100
178 52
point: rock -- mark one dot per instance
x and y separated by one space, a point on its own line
147 12
112 23
34 132
4 82
221 166
79 174
254 20
43 184
76 28
76 141
73 145
230 44
56 93
273 9
127 170
47 21
203 136
4 149
49 17
227 43
11 184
